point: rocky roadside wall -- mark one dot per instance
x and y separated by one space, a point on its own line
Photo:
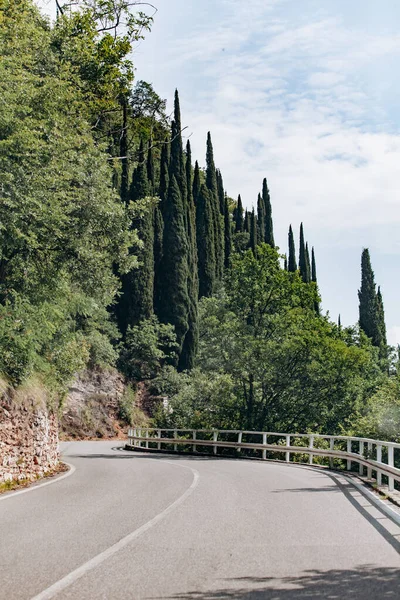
28 438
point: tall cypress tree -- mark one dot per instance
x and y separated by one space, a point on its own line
381 321
174 302
227 234
260 219
137 299
253 232
247 221
269 227
189 349
123 149
302 256
177 164
368 303
211 182
292 266
308 266
196 182
164 173
221 192
313 266
158 252
205 242
285 263
239 221
150 170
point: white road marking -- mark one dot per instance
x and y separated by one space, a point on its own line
41 485
94 562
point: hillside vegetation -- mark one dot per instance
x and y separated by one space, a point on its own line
117 249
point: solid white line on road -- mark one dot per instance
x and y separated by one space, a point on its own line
41 485
94 562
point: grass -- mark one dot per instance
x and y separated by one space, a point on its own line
13 484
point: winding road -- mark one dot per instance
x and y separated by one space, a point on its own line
139 526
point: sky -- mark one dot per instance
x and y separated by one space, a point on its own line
305 93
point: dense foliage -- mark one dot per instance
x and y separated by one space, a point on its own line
114 249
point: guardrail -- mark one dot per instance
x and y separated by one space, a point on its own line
376 456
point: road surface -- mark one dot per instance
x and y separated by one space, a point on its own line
139 526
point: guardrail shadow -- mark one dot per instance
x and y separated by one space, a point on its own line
364 583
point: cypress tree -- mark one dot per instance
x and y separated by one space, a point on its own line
150 170
227 234
196 182
253 232
368 303
308 266
221 192
123 149
285 264
158 252
269 227
313 266
260 219
205 242
239 223
292 266
164 173
174 301
314 278
137 299
302 256
381 320
140 184
246 222
177 164
189 349
211 183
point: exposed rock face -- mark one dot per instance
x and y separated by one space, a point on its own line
28 438
93 405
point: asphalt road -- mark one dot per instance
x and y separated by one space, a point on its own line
135 526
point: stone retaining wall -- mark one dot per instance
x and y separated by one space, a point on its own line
28 438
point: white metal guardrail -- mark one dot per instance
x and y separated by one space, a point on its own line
376 456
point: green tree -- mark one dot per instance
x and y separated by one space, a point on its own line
292 266
253 232
368 302
173 306
303 261
189 349
205 242
260 219
211 183
269 228
196 182
239 215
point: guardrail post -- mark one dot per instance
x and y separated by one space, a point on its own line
287 445
175 436
194 445
215 439
349 451
369 469
240 435
361 453
140 435
146 436
379 459
264 452
391 464
311 445
159 437
331 447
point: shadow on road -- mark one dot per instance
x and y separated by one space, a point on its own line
365 583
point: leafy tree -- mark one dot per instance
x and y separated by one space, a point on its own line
147 348
64 233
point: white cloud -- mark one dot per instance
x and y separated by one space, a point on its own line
393 335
